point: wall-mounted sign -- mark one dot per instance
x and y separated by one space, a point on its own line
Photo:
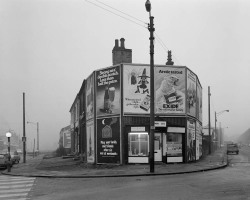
108 140
170 87
108 91
160 124
138 129
136 89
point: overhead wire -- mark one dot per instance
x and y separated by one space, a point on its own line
121 12
139 23
115 13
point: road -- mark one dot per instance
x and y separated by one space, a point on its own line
230 183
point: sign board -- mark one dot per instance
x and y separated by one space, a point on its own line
160 124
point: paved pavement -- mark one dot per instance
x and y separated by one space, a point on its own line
69 168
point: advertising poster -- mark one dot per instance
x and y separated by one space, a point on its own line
136 86
90 142
108 91
191 146
199 102
90 97
191 93
170 90
108 140
198 141
67 139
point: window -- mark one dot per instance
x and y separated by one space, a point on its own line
174 144
138 144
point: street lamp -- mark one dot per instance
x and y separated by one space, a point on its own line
215 115
152 111
8 135
37 126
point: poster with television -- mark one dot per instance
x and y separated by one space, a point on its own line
136 89
90 141
108 91
191 142
108 140
170 90
191 93
90 97
199 101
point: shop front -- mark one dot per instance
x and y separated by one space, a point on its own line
168 143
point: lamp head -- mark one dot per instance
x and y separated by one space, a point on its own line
148 6
8 134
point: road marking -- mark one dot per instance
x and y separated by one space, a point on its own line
15 187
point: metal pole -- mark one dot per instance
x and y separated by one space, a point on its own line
34 148
24 138
9 164
215 131
37 146
152 111
209 125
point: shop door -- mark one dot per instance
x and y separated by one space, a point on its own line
158 147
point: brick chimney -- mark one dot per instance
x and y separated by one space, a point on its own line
120 54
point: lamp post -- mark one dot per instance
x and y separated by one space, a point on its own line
37 140
8 135
215 120
152 111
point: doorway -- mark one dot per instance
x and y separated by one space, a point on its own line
158 147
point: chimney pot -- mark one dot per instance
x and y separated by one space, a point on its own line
116 43
122 42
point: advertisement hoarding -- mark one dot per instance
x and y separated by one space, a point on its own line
199 101
108 140
191 93
90 97
170 90
108 91
90 141
191 142
136 89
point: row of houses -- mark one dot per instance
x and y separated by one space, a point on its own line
110 114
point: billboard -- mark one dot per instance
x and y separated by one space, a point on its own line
170 90
90 141
108 91
191 143
90 97
199 101
198 140
108 140
191 93
136 89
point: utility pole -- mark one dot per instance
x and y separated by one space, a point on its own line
24 137
37 138
152 107
209 123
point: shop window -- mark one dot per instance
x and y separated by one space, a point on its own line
174 144
138 144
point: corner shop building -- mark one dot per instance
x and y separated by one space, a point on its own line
117 113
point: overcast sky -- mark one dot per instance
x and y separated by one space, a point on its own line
48 47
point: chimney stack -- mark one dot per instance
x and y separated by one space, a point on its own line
120 54
169 62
